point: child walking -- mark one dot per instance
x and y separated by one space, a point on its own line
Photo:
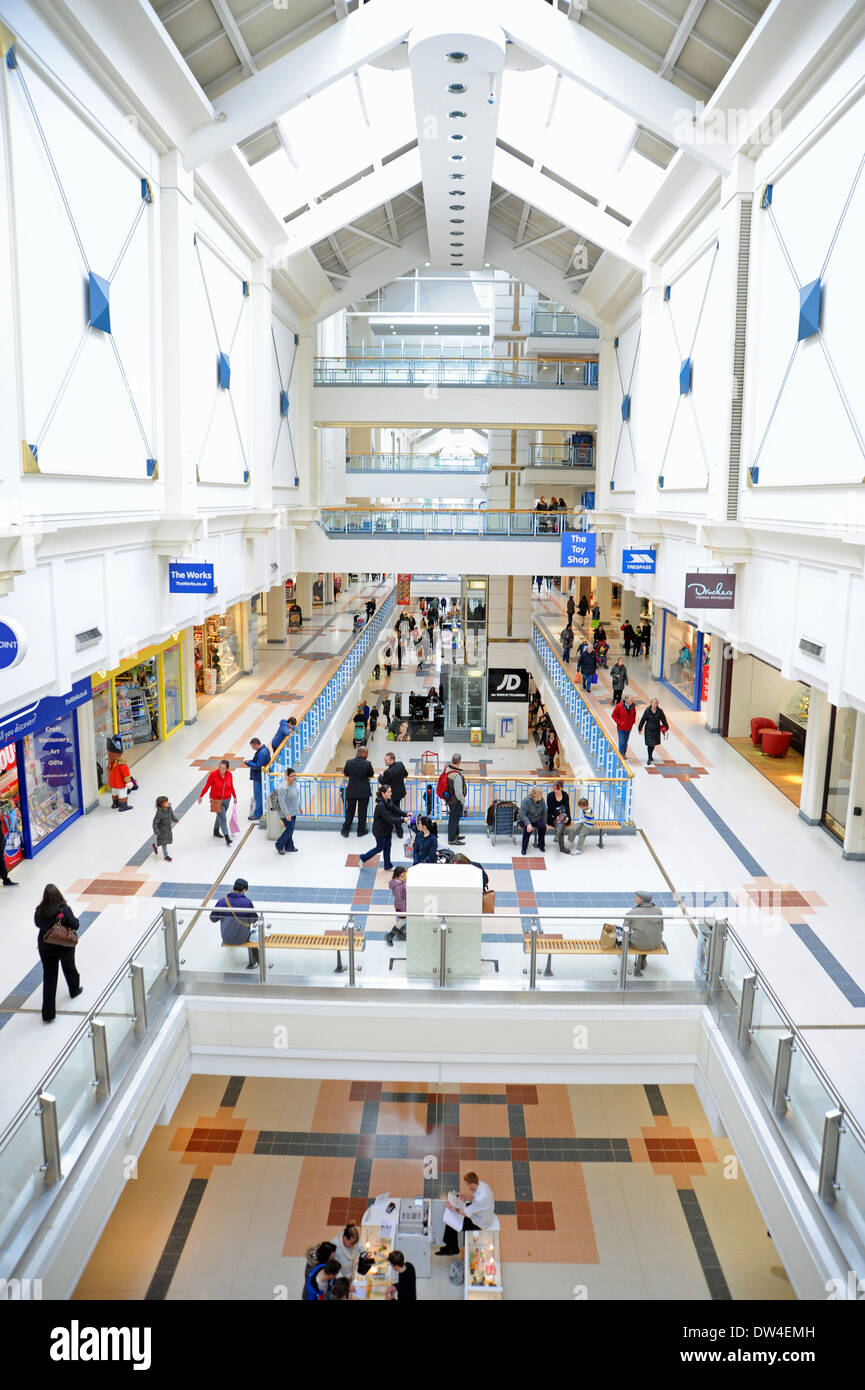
398 887
162 823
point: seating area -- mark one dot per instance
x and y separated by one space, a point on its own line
772 741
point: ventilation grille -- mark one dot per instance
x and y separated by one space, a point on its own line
739 359
87 639
815 649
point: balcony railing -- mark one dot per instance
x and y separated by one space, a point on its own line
554 323
447 521
414 463
561 456
454 371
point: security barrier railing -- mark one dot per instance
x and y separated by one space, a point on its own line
454 371
448 521
561 456
414 463
592 735
825 1140
330 692
561 324
39 1147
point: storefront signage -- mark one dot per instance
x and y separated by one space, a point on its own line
403 588
191 577
638 561
578 550
43 712
13 644
511 685
710 590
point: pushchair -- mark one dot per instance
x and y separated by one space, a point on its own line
501 820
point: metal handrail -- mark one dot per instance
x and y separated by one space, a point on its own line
564 672
571 373
371 462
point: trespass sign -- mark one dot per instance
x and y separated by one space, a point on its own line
13 644
638 561
190 577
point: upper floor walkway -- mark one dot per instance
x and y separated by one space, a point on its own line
415 463
502 372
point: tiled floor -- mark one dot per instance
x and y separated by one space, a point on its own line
618 1189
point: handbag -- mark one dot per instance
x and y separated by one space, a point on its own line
607 939
216 804
60 934
234 823
489 901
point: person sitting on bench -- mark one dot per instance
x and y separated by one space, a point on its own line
235 913
646 923
579 828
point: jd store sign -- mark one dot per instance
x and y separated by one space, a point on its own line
507 685
710 590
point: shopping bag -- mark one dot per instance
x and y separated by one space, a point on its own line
234 823
595 678
607 939
489 901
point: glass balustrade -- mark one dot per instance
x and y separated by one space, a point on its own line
560 323
414 463
454 371
448 521
21 1177
561 456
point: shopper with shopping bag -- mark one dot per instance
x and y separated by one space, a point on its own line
220 788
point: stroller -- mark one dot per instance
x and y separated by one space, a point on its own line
601 649
502 819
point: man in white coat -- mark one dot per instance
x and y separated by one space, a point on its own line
477 1208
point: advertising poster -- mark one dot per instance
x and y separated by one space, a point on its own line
10 806
403 589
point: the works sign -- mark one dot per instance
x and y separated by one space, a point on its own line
507 685
710 590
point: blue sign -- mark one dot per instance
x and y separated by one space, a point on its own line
638 561
578 550
191 577
13 644
43 712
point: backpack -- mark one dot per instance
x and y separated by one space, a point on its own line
442 788
444 856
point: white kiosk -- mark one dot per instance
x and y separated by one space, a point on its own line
434 892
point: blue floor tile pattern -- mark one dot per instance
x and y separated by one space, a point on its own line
852 992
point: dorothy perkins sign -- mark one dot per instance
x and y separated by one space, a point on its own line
710 590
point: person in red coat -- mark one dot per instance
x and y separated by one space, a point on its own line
624 716
120 780
220 788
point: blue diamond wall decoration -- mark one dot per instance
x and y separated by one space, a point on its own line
615 342
612 485
283 403
754 475
146 191
11 60
661 481
626 407
152 468
246 289
809 310
100 294
223 370
766 199
666 292
685 377
246 475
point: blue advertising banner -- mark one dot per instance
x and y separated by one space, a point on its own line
638 561
43 712
578 550
191 577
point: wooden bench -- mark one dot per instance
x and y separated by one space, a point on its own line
601 828
566 946
332 940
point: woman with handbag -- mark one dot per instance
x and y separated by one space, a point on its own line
653 726
220 788
58 937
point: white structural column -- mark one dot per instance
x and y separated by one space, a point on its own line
276 615
303 595
328 587
854 834
177 467
187 676
814 762
87 762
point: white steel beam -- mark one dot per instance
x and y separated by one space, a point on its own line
343 209
597 65
566 207
371 236
536 240
363 36
377 271
532 270
681 36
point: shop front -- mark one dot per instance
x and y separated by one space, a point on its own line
764 716
685 655
839 771
40 778
218 651
141 701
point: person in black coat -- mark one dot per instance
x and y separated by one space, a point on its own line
558 812
652 725
53 909
386 819
359 771
588 665
394 776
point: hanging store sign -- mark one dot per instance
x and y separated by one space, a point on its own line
191 577
13 644
638 561
710 590
578 550
504 684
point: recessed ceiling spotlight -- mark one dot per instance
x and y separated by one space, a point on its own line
457 220
456 137
456 176
455 207
456 88
456 158
457 57
486 267
457 115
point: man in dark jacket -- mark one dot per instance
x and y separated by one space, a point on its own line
235 913
394 776
359 771
386 819
588 665
618 679
260 757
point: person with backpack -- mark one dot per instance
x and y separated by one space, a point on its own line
57 926
452 789
386 819
359 771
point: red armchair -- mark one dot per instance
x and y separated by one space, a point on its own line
775 742
757 728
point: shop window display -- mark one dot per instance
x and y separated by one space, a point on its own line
51 778
10 805
137 696
217 653
839 771
682 660
172 703
103 728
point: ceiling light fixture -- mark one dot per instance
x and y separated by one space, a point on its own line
457 220
455 207
486 267
457 115
456 88
456 136
456 158
456 176
457 57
